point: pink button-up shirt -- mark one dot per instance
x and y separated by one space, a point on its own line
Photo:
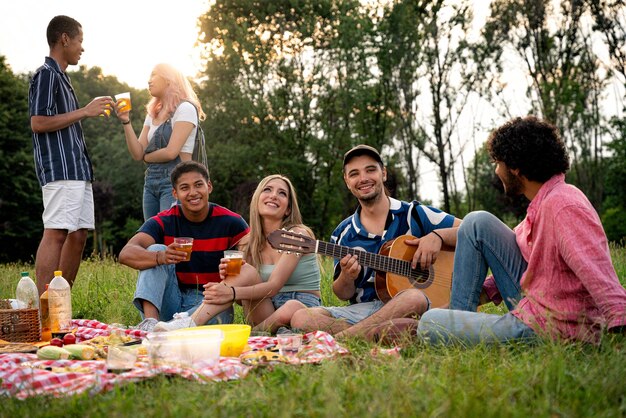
570 288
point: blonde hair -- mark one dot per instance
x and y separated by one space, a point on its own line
178 89
257 238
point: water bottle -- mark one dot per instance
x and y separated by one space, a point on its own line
26 292
60 304
44 311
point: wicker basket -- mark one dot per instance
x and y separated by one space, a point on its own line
20 325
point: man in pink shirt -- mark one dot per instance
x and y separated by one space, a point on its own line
553 271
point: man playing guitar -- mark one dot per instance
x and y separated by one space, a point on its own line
379 219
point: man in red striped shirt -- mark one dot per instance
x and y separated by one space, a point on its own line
553 271
167 284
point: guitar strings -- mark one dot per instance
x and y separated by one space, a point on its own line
386 264
378 262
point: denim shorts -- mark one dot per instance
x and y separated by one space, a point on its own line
308 299
356 312
159 286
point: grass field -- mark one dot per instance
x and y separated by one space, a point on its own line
546 380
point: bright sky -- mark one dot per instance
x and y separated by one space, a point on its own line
124 38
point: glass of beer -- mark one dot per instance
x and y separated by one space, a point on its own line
122 101
107 110
184 244
235 260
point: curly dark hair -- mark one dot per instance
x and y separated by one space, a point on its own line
60 25
532 146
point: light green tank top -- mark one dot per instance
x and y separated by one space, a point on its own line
306 276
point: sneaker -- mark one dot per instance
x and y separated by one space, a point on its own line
146 325
181 320
283 330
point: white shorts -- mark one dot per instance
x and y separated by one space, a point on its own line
68 204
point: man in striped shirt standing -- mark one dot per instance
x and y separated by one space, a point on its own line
62 163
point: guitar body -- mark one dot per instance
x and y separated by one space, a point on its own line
435 282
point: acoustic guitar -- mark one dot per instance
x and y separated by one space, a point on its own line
393 265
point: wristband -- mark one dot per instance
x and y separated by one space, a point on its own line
157 258
126 123
234 294
435 232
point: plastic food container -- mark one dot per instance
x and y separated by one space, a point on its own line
235 337
185 348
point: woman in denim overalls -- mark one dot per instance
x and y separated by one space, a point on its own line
168 134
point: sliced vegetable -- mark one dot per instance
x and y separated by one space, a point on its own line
80 351
51 352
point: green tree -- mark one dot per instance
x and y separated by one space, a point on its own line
20 194
610 20
285 92
428 71
614 215
565 84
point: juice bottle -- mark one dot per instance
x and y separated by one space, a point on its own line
46 332
60 304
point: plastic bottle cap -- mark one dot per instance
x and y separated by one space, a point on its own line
58 273
24 274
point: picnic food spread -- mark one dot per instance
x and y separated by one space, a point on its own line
24 375
78 355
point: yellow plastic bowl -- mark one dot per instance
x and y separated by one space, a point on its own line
235 338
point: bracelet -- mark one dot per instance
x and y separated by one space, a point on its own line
157 258
234 294
126 123
435 232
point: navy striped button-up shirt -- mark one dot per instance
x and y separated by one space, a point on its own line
62 154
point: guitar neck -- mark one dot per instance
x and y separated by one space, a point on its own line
367 259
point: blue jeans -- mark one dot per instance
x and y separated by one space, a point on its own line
308 299
159 286
157 192
483 243
444 326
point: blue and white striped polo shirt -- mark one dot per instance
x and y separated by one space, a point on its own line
62 154
403 218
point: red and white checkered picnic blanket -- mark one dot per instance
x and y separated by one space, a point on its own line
23 375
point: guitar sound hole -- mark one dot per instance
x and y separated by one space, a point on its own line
420 278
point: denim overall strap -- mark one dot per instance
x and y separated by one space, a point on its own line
161 139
